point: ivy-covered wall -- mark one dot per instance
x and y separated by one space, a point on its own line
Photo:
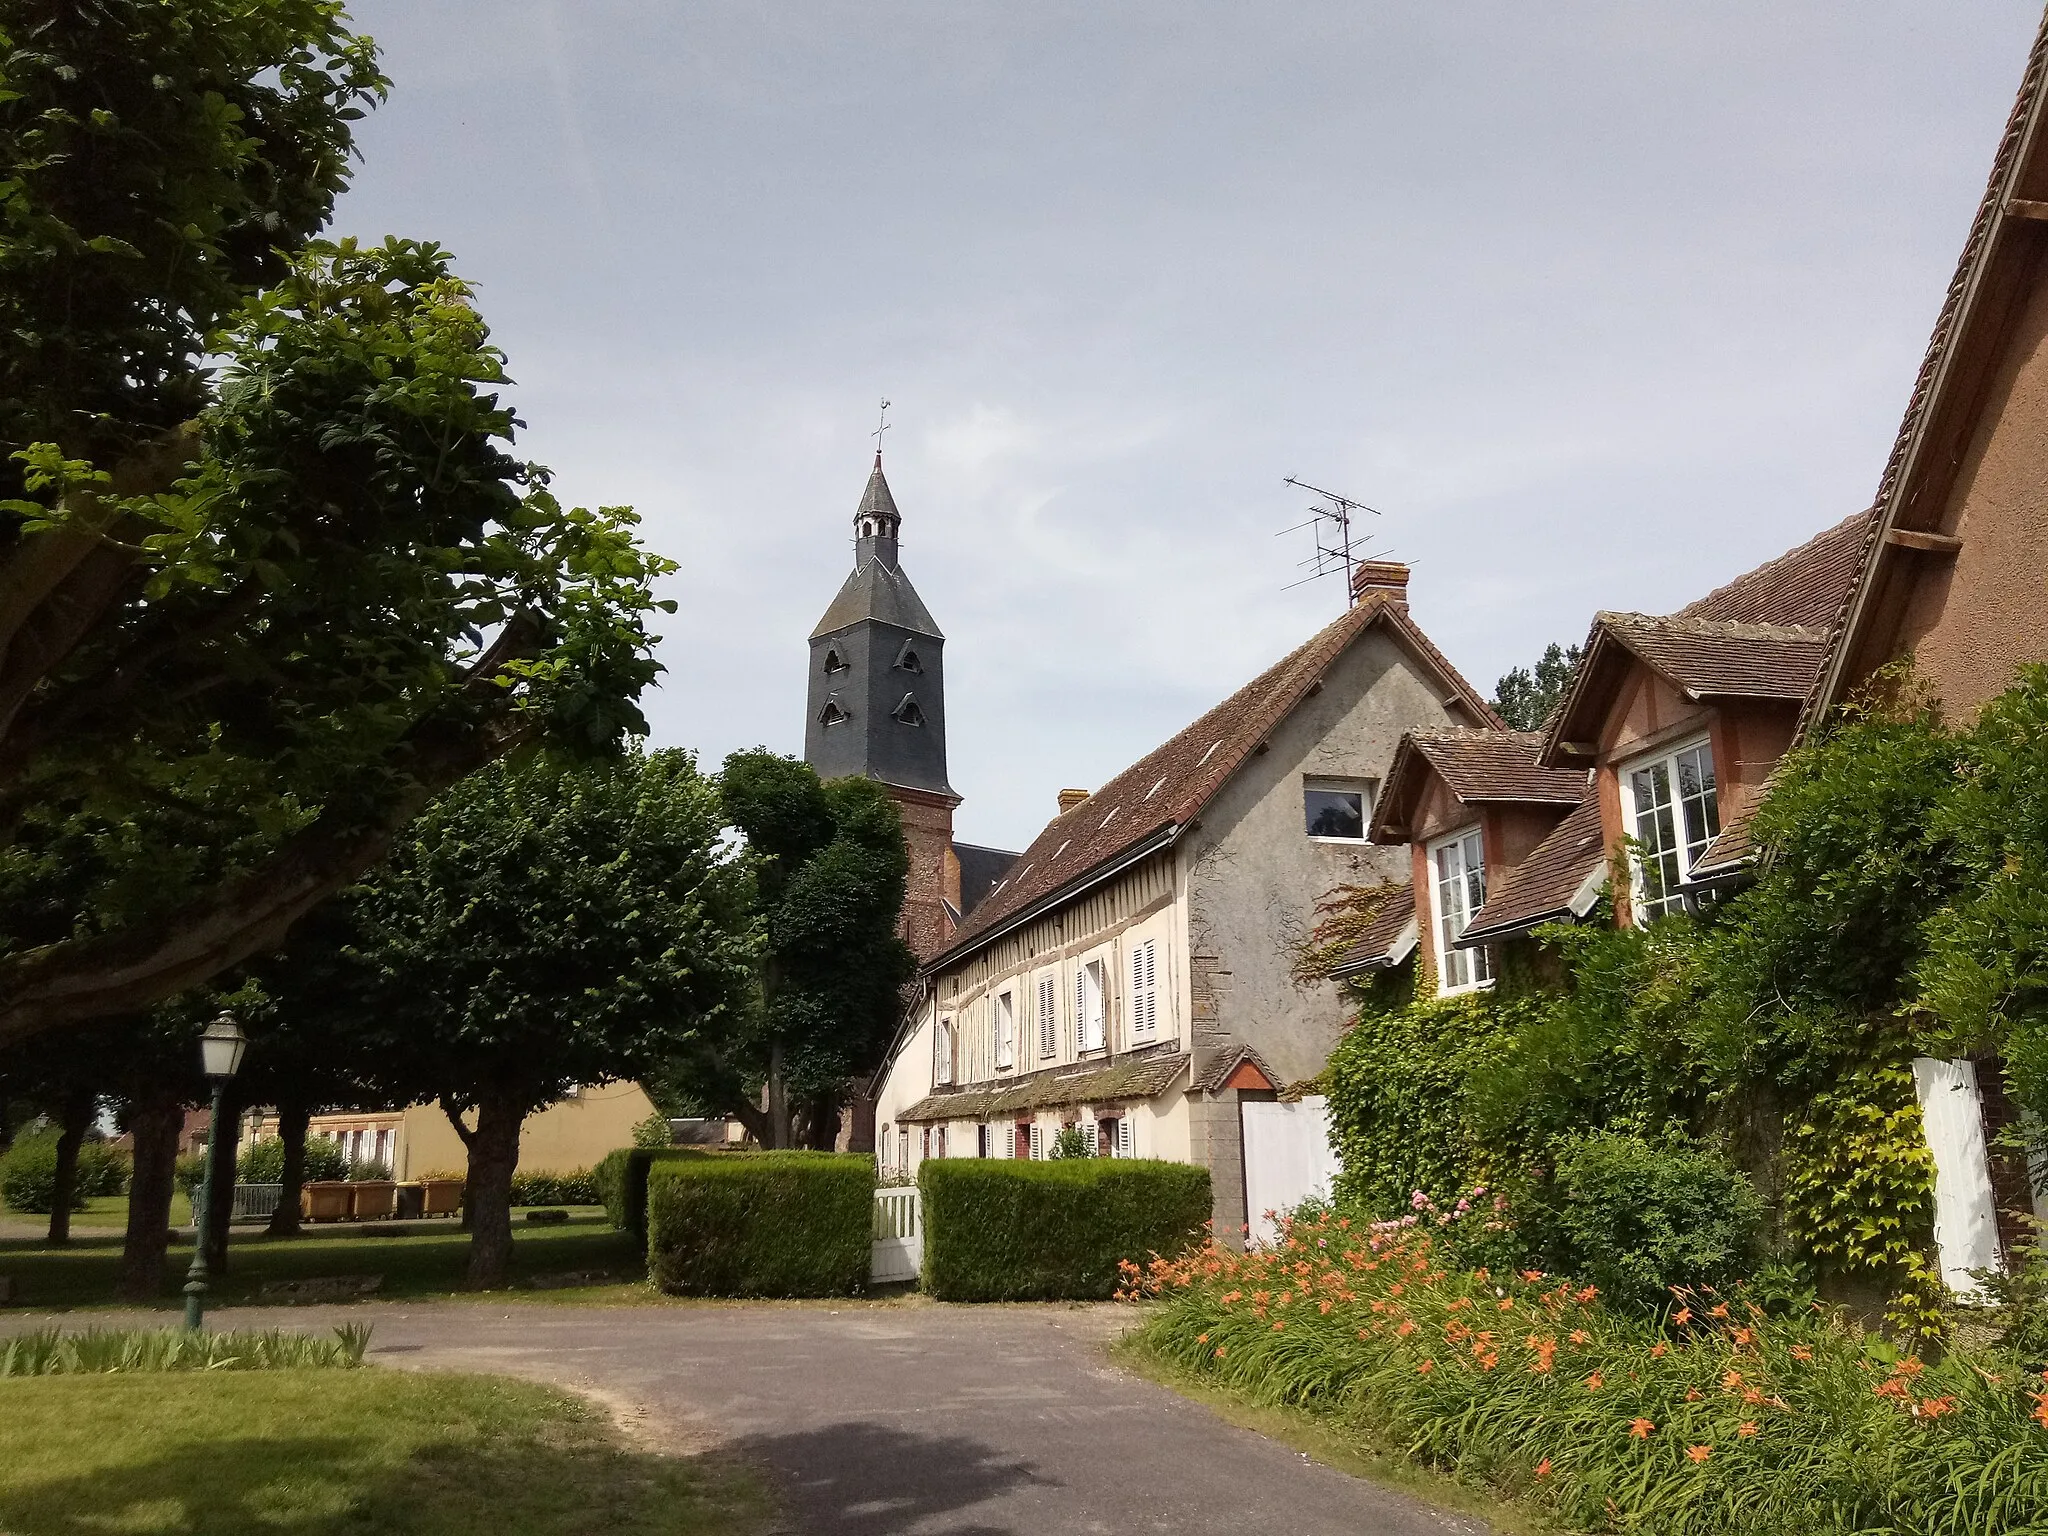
1900 909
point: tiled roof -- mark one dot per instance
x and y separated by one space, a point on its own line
1143 1075
1763 636
1727 852
1543 888
1802 587
1169 785
1381 944
1480 767
1220 1069
1722 659
1992 252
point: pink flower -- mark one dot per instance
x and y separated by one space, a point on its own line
1419 1200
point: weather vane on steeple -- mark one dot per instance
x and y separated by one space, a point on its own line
880 430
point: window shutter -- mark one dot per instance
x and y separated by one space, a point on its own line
1088 1136
1048 1018
1081 1008
1123 1137
1037 1140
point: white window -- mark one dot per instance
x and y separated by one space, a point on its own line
1458 877
1673 814
1144 1006
1048 1018
1090 1006
1037 1140
1006 1031
1336 810
942 1052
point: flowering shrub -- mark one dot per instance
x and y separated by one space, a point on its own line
1710 1417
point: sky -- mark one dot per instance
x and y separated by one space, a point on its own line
1598 304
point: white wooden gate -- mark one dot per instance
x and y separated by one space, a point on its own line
897 1253
1287 1158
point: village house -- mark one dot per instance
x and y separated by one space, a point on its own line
1129 977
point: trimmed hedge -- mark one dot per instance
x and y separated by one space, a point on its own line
621 1183
578 1187
770 1224
997 1230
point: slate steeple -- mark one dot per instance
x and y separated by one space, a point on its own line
877 690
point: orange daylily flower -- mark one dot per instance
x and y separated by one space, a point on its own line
1640 1429
1732 1380
1801 1352
1580 1336
1698 1452
1682 1316
1425 1367
1593 1382
1719 1309
1746 1428
1543 1467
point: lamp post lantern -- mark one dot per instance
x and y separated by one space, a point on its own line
220 1055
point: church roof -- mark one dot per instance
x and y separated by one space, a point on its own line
875 591
876 498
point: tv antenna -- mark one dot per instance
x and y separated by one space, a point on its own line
1330 515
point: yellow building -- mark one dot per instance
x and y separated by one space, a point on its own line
574 1132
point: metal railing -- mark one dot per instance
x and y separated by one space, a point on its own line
255 1202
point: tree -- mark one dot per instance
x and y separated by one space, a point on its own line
829 868
1525 698
543 925
251 619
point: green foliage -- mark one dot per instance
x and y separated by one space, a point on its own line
1068 1143
1000 1230
620 1181
1858 1175
369 1170
28 1177
158 157
1400 1111
2019 1298
829 868
262 1161
654 1131
1525 697
543 1188
97 1351
188 1173
769 1224
1715 1419
101 1169
1638 1219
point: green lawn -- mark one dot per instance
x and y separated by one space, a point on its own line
341 1453
428 1261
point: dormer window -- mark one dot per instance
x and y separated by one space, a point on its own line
907 711
834 662
907 659
832 714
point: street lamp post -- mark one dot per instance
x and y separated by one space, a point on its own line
220 1054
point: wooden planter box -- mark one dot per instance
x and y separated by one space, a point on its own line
441 1197
374 1199
327 1200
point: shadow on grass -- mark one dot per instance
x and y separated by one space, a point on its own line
863 1479
328 1487
843 1480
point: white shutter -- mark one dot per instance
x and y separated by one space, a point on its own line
1123 1137
1080 1007
1037 1141
1048 1018
1088 1136
1145 990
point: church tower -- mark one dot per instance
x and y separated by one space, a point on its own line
878 709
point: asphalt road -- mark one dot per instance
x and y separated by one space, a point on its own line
875 1421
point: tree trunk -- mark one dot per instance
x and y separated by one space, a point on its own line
154 1127
778 1100
77 1120
292 1119
493 1158
223 1144
821 1122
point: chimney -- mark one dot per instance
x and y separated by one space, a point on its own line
1385 576
1069 798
